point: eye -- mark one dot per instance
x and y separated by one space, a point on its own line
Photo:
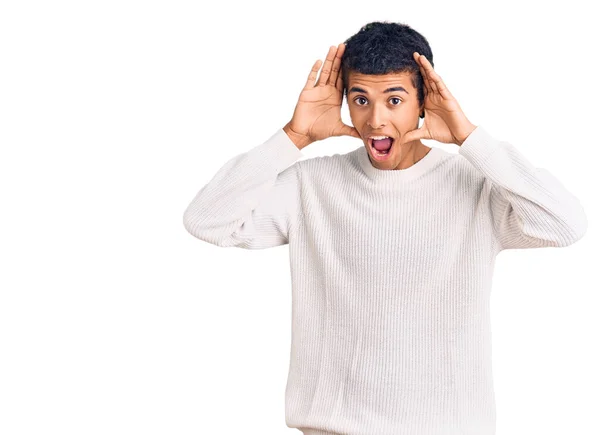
360 98
397 103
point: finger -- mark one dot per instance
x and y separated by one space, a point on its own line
339 83
436 81
351 131
310 83
346 130
337 62
426 80
426 66
326 71
416 134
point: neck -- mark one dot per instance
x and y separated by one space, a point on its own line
411 154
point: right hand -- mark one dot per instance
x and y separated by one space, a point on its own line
317 114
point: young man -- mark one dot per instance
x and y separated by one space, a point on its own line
392 245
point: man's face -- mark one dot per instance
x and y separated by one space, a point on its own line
375 112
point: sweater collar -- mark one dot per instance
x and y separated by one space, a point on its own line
417 169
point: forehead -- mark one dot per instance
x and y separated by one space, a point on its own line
380 82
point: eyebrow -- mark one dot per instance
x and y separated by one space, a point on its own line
395 88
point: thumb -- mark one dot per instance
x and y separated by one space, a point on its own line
346 130
416 134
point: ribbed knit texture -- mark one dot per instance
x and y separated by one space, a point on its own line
391 273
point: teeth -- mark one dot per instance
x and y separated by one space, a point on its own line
379 137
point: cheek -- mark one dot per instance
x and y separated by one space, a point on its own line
356 115
405 117
355 119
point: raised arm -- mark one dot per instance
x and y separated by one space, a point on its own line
530 207
253 201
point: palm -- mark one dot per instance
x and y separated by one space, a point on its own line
444 118
318 112
434 124
320 108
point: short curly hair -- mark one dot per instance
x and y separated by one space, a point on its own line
383 47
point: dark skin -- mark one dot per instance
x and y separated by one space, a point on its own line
386 105
317 115
444 119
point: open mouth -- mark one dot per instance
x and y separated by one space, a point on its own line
381 148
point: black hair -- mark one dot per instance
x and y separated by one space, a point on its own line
382 47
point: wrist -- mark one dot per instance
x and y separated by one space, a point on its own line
465 133
299 140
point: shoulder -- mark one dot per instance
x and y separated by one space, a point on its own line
457 170
336 165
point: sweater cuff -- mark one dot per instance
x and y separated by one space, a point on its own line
478 146
280 151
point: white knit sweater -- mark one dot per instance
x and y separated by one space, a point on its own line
391 273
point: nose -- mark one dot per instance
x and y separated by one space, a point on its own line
376 119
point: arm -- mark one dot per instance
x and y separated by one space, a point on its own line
252 201
530 207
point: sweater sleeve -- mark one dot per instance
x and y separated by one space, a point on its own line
530 208
252 201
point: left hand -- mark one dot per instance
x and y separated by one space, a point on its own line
444 119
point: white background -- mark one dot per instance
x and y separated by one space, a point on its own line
113 114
